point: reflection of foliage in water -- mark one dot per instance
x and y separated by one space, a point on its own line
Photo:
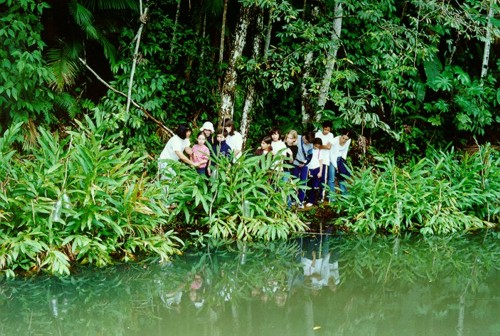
431 280
250 286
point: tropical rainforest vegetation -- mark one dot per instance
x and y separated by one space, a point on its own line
91 89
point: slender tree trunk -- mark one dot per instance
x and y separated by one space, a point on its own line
251 92
487 43
223 32
306 97
174 33
269 29
331 58
143 19
230 78
203 35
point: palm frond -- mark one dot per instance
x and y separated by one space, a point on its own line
84 19
108 47
111 4
63 64
68 103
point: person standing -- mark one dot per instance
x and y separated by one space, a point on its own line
201 154
315 172
338 157
279 147
265 147
174 150
208 130
221 149
326 137
291 144
233 139
304 153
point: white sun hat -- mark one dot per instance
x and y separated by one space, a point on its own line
207 126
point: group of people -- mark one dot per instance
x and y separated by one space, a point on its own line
317 159
225 141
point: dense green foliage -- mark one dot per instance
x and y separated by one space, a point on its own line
442 193
78 196
82 197
246 200
407 71
78 186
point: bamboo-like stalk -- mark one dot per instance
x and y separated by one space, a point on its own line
330 62
136 53
487 43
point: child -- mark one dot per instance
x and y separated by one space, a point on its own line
338 156
301 160
326 136
291 150
201 154
234 139
265 146
220 145
315 171
279 147
220 149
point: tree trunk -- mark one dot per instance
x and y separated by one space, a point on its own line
174 34
251 92
269 29
306 97
330 62
223 32
143 19
487 43
230 78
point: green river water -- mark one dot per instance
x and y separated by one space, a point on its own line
314 285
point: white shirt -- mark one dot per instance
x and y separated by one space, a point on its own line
235 142
327 139
173 145
338 151
278 146
317 155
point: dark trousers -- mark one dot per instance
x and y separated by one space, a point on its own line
301 173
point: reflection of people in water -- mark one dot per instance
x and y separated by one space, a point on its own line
172 299
320 265
196 289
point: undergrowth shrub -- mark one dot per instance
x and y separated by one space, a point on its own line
78 197
442 193
246 200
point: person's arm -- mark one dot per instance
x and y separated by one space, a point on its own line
185 159
344 154
327 146
320 168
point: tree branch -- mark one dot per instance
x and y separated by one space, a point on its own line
159 123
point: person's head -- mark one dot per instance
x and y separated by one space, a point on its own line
201 138
229 127
266 143
207 128
221 134
275 134
327 127
345 135
317 143
183 132
291 138
308 138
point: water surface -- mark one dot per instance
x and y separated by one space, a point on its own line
315 285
